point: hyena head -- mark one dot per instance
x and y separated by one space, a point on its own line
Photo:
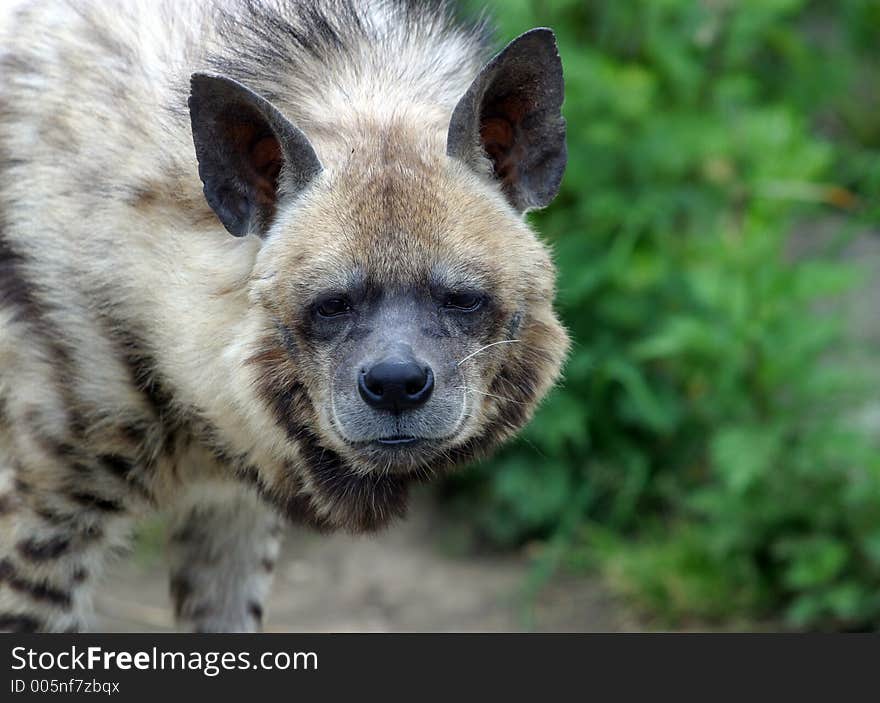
407 307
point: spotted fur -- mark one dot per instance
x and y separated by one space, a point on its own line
149 360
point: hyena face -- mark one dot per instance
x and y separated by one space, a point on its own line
410 322
409 307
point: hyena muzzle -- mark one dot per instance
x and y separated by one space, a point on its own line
258 261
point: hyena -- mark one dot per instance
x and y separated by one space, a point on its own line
259 261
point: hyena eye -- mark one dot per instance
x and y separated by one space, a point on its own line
333 307
463 302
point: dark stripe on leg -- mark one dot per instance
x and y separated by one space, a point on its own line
37 590
89 500
181 590
44 550
19 622
14 289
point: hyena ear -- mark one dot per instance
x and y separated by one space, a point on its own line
511 114
249 154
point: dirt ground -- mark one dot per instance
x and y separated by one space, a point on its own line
401 580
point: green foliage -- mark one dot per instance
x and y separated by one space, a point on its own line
705 444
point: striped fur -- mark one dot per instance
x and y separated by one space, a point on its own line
149 360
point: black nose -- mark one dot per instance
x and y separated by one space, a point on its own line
396 384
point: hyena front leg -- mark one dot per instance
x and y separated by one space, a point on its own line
224 543
52 546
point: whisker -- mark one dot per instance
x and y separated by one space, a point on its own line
491 395
482 349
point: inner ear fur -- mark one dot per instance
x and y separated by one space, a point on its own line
511 114
248 153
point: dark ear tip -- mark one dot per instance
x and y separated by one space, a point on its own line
200 82
544 32
541 35
540 41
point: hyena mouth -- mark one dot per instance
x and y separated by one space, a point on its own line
397 440
400 455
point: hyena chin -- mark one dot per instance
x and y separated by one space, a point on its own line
258 259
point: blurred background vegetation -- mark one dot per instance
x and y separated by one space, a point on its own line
711 451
